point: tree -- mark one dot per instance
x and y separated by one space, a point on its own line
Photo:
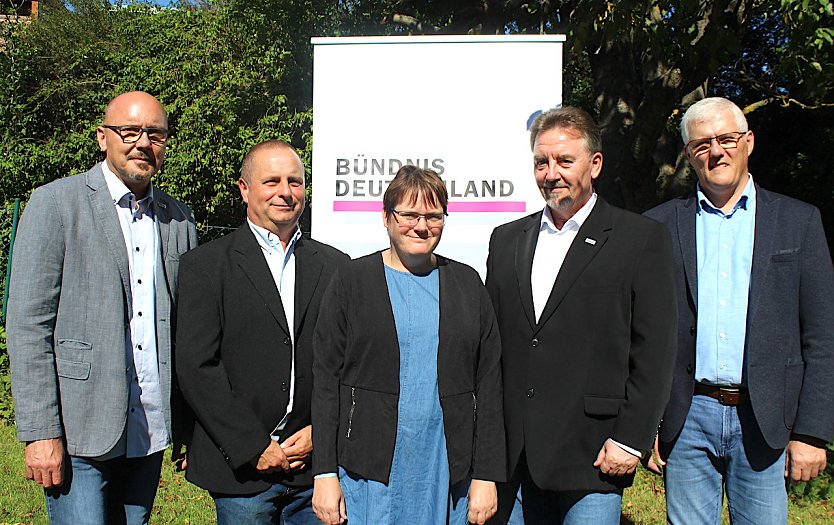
648 60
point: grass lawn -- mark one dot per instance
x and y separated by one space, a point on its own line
179 502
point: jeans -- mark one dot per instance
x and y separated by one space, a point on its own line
521 502
721 447
278 504
113 492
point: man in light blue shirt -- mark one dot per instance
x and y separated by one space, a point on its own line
751 400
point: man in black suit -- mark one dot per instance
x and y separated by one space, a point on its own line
248 304
585 299
752 393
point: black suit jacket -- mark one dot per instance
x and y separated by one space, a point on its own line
789 360
234 355
598 362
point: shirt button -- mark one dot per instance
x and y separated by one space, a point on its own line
140 314
284 386
722 367
534 343
531 392
139 347
137 248
132 410
139 281
722 335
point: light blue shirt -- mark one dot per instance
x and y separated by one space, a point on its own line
145 430
725 257
281 264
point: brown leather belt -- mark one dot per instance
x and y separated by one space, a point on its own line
728 396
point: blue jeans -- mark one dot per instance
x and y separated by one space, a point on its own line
521 502
278 504
722 447
112 492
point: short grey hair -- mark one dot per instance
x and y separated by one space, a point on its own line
710 106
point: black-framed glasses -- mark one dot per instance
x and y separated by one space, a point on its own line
131 134
411 218
729 140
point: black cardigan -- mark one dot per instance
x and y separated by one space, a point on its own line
356 374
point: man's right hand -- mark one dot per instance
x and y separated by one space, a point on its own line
45 462
653 462
271 459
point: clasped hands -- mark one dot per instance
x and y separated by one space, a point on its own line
292 454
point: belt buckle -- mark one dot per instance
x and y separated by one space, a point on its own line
728 392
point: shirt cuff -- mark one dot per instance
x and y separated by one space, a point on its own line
325 475
632 451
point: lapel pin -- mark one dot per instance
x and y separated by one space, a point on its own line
590 241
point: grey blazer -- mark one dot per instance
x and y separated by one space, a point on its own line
69 307
789 359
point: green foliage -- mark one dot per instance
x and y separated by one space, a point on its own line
223 77
6 403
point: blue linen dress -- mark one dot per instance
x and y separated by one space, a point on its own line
418 490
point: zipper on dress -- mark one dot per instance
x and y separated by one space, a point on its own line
352 408
474 407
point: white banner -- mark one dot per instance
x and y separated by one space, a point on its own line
459 105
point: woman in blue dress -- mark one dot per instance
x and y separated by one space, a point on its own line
407 409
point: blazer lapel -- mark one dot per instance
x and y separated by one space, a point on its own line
308 268
162 218
249 257
524 250
589 240
767 215
685 221
107 219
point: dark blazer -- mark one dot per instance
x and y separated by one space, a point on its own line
234 355
790 318
356 374
598 362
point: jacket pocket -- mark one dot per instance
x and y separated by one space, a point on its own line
600 406
73 344
72 369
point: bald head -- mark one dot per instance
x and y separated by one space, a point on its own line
133 102
268 146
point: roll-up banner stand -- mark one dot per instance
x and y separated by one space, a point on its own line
460 105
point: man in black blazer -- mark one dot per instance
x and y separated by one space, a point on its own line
248 304
752 398
585 299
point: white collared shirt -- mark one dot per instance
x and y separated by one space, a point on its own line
551 249
145 431
281 264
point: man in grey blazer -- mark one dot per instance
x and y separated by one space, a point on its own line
90 322
751 400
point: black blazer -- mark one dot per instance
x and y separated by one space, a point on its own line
790 317
598 362
356 374
234 356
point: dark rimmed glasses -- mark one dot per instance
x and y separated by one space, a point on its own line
131 134
410 218
729 140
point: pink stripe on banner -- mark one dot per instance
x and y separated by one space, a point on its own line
486 206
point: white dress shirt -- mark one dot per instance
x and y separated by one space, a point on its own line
145 430
281 264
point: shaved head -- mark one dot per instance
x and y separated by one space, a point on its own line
277 145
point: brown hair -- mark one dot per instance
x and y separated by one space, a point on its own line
568 117
411 182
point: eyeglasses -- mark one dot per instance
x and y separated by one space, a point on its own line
410 218
729 140
131 134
